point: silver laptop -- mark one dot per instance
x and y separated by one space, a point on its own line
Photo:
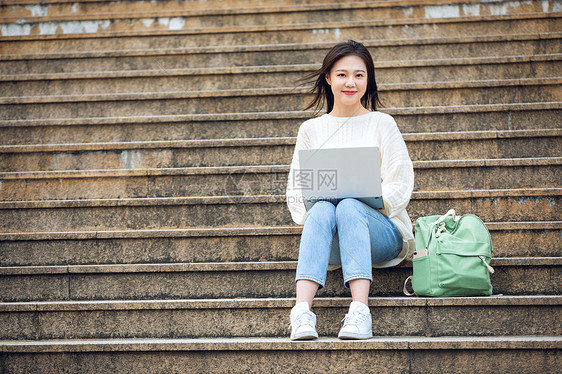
337 173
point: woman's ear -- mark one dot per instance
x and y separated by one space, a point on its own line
327 76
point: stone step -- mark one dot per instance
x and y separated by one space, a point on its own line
285 33
279 355
383 51
250 211
253 244
85 10
239 181
492 117
68 8
275 99
248 317
513 276
272 76
44 21
186 19
265 151
165 297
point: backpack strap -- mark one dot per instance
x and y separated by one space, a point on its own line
405 290
490 269
451 212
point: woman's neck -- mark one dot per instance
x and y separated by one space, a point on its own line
344 111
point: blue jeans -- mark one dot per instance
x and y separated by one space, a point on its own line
350 234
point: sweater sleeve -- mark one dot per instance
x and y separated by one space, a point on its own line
397 172
295 201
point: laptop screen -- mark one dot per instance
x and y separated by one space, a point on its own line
336 173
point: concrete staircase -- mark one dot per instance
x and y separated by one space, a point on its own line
144 151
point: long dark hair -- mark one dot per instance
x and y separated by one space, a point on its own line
322 90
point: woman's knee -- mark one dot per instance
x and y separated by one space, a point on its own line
322 213
349 209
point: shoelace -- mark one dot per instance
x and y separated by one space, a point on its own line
306 318
353 319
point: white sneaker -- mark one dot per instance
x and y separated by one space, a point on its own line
303 322
357 323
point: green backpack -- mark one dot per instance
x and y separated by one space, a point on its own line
452 256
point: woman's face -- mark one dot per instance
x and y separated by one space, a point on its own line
348 80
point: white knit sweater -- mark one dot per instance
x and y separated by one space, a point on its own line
374 129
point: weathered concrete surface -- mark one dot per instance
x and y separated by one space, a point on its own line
150 267
240 318
206 249
42 21
81 9
275 34
265 180
290 357
270 124
238 280
240 211
385 53
265 151
200 102
430 71
426 8
535 239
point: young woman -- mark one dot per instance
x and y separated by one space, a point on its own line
351 233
